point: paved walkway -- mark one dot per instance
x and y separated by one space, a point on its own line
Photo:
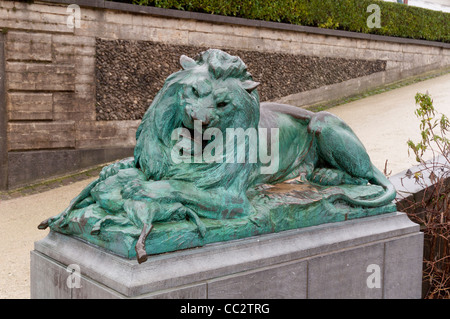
384 122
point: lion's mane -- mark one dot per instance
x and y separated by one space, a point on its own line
154 144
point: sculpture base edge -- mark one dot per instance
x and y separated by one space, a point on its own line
327 261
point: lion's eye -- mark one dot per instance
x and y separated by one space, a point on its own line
194 90
222 104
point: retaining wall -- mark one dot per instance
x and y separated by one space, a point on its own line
50 121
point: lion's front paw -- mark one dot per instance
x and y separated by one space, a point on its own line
334 177
114 168
326 176
108 171
134 189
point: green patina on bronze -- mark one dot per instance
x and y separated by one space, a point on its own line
154 203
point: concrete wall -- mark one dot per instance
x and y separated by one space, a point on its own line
48 120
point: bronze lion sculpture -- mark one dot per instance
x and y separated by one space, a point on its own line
215 90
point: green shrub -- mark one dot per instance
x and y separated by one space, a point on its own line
351 15
432 209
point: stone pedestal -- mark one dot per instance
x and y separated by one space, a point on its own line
372 257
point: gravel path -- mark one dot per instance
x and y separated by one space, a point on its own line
19 218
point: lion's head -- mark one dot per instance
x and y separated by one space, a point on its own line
214 89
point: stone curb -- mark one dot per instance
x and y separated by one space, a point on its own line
53 183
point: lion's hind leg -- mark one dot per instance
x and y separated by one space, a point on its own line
339 147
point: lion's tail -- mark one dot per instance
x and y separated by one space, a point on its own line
386 198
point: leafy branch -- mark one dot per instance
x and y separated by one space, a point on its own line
432 211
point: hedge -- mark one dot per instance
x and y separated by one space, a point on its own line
397 20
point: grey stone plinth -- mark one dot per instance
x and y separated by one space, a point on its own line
372 257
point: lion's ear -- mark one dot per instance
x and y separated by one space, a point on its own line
187 62
249 86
